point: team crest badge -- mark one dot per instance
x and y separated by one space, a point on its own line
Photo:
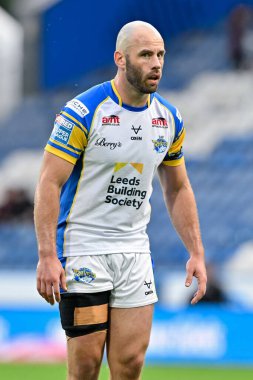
160 145
84 275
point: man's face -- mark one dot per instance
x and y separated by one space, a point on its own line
144 63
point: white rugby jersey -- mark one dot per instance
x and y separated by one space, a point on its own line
115 149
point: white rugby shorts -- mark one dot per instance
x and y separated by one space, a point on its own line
129 277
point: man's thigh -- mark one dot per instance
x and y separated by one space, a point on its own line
85 353
84 318
129 334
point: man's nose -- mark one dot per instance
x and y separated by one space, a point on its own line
156 62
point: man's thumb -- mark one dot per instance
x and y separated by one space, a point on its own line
188 280
63 281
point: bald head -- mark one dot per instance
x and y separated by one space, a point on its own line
133 32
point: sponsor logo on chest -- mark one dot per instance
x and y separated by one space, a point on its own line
111 120
159 122
126 191
102 142
136 131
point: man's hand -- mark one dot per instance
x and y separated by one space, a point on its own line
195 267
50 276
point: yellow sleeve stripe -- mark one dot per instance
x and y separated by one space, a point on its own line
77 139
76 121
177 144
60 154
62 145
174 162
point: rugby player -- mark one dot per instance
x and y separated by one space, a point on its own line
92 208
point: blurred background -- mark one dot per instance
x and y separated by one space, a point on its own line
50 51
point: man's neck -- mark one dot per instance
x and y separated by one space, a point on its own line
129 95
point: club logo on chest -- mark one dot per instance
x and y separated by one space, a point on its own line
160 144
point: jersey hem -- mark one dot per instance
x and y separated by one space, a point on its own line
107 252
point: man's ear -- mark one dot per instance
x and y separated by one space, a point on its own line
120 60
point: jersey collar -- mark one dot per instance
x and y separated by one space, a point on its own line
117 98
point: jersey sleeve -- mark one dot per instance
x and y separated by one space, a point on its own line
69 136
175 156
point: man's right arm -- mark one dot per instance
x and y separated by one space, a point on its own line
50 274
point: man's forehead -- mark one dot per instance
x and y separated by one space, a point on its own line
144 41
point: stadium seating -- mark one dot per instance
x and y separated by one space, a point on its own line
223 186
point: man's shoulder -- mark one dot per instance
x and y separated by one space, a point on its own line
165 103
87 102
170 107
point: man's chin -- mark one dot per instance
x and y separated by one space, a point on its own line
151 89
151 86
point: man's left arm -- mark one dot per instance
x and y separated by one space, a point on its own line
180 202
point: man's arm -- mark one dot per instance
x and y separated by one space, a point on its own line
180 202
50 274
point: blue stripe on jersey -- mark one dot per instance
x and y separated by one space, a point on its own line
67 196
91 98
63 149
134 109
72 147
71 113
63 261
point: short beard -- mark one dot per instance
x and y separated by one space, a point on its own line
134 77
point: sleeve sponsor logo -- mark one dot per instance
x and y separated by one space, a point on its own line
61 120
62 130
77 106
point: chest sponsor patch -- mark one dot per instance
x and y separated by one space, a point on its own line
101 141
160 144
126 191
159 122
111 120
77 106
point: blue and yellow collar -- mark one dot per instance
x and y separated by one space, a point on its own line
117 98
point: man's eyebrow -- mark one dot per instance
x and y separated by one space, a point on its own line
151 51
145 51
